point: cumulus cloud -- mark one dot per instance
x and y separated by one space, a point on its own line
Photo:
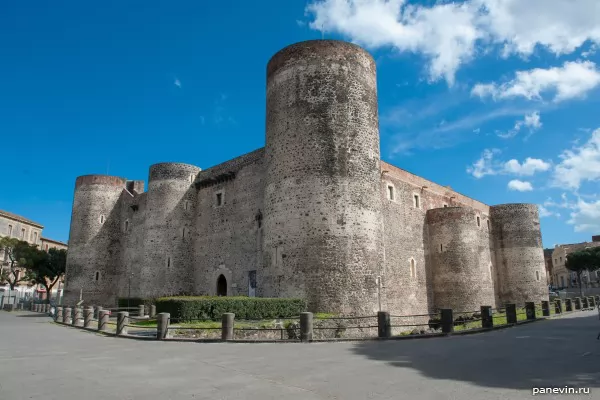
579 164
520 186
528 168
485 165
532 121
544 212
448 35
177 83
572 80
586 216
488 165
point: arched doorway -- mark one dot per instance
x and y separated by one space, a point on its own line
221 286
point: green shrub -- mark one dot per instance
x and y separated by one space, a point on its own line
134 302
207 308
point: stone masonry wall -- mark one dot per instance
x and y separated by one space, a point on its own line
519 253
322 226
93 259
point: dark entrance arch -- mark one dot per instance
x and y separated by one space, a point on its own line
221 286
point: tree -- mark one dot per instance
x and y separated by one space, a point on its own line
579 261
48 268
15 251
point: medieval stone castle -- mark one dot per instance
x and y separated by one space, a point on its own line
314 214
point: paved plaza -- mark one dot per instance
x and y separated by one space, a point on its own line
40 360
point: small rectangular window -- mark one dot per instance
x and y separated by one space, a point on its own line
23 233
478 221
391 192
34 237
9 230
417 205
219 199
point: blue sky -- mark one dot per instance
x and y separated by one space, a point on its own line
497 98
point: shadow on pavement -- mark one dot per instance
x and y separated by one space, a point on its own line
33 315
552 353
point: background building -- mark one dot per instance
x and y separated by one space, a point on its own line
21 228
563 278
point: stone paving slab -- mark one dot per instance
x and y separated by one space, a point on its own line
41 360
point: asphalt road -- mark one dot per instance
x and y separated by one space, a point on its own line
40 360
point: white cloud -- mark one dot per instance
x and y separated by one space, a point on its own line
574 79
177 83
485 165
586 216
528 168
520 186
544 212
581 163
448 35
531 121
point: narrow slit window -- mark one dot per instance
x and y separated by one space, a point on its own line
219 199
168 262
126 226
478 221
102 219
10 230
413 271
391 193
488 224
417 202
537 275
23 234
441 247
97 276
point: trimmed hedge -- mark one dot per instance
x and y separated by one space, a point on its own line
208 308
134 302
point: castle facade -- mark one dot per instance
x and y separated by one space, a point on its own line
314 214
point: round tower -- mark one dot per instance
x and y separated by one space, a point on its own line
519 253
93 258
169 230
322 227
459 253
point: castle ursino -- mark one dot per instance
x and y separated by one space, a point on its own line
314 214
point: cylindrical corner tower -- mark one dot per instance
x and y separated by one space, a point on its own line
322 227
460 257
519 253
94 254
169 230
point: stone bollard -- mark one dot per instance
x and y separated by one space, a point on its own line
227 321
384 326
306 326
530 310
578 303
545 308
152 312
66 315
558 306
141 310
103 316
511 313
97 312
584 303
59 314
162 325
88 316
592 302
77 320
122 322
487 318
568 305
447 320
